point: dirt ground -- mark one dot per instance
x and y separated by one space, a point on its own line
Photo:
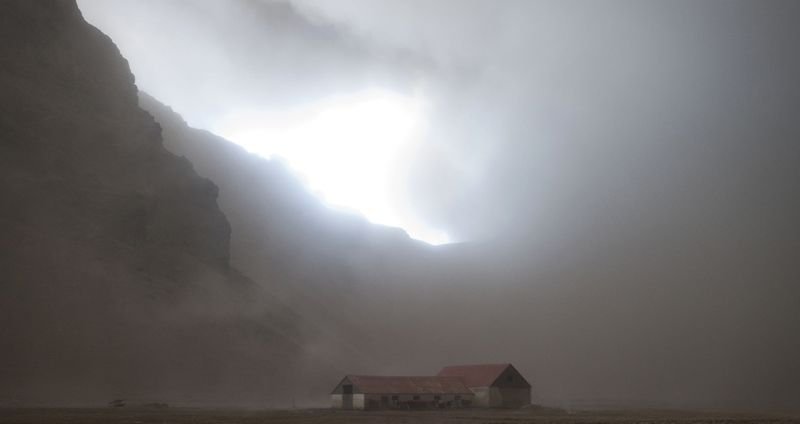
309 416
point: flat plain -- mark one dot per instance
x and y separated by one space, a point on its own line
313 416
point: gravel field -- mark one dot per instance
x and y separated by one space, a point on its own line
304 416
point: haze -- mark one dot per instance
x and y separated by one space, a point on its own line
604 193
556 127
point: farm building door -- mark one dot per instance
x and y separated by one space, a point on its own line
347 396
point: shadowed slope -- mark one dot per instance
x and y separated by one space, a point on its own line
116 279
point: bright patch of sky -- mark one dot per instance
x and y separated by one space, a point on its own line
347 148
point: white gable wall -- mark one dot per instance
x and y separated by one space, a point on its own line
482 397
359 401
337 401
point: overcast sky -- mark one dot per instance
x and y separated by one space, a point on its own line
539 110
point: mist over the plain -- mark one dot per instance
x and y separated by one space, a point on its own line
622 178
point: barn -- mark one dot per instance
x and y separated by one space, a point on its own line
462 386
381 392
494 385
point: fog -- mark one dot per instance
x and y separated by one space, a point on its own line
623 177
541 108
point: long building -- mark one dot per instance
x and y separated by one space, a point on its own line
463 386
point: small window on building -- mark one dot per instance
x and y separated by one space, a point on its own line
437 398
510 378
416 398
347 389
395 398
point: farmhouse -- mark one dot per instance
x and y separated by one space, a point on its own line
379 392
494 385
486 386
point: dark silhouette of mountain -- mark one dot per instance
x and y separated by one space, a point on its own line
115 268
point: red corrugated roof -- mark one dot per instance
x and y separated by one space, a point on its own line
408 385
475 375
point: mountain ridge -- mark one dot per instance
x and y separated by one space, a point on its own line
113 245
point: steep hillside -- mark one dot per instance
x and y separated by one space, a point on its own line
333 268
619 316
115 267
274 217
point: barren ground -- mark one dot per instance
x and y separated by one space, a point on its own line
307 416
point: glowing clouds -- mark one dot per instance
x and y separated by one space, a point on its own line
347 149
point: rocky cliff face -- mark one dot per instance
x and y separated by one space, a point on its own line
115 264
117 273
72 128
